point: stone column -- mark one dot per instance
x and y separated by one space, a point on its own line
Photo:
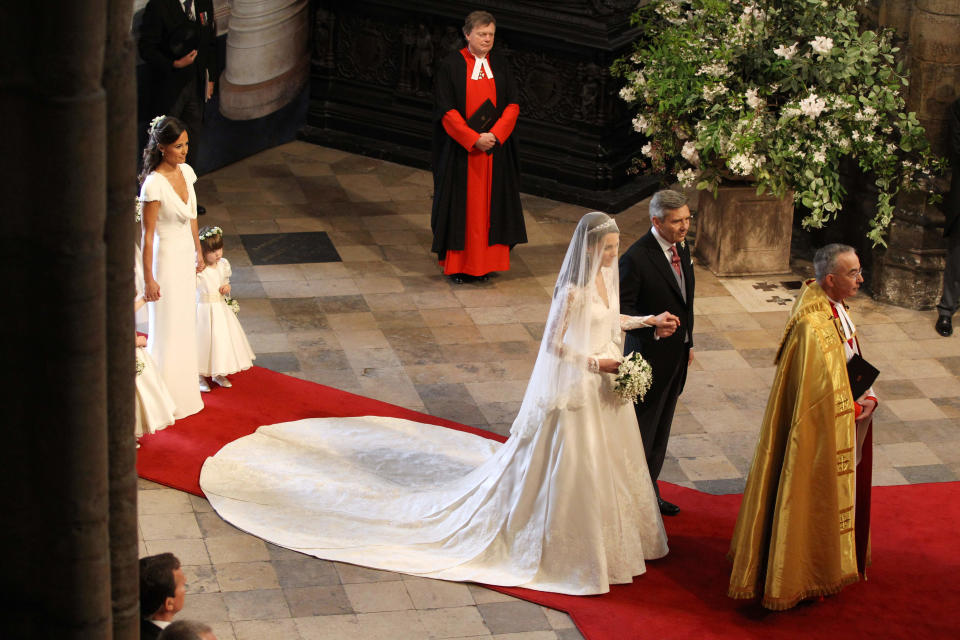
55 91
909 272
120 233
268 61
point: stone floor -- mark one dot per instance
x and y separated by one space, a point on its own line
369 313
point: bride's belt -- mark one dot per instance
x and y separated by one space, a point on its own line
208 297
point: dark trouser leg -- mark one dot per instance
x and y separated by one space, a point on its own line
189 108
655 416
950 299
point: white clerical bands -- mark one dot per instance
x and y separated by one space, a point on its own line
481 64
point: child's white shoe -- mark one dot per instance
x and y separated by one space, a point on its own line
204 387
222 381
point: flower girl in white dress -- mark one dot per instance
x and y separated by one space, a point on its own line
154 406
222 346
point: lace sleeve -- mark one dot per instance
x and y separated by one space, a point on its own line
628 323
555 335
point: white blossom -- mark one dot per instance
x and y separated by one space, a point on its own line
753 100
822 45
891 148
687 177
711 92
717 69
628 94
689 152
744 164
640 124
812 106
786 52
647 150
819 157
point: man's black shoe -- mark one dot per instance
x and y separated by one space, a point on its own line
668 508
201 210
944 326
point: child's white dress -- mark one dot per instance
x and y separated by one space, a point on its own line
222 346
154 405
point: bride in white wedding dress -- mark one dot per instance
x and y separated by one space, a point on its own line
565 504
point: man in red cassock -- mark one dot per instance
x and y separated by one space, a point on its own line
477 216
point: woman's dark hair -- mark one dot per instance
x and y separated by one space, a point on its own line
165 131
212 242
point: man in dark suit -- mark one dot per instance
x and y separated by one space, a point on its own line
950 300
162 590
178 41
656 274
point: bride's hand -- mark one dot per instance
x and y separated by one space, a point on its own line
666 324
608 365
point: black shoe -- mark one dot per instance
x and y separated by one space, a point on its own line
484 278
201 210
944 326
457 278
668 508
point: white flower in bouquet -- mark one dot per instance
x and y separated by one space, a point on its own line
232 303
822 45
634 377
140 365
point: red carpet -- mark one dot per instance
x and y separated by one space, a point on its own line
913 589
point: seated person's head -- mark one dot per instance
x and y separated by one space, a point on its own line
162 587
187 630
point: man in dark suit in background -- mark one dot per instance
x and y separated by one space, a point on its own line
178 41
950 300
656 274
162 590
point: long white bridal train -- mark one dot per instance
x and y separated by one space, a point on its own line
568 509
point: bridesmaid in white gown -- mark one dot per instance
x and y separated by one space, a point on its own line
171 260
564 505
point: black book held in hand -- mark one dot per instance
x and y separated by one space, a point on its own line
862 375
483 118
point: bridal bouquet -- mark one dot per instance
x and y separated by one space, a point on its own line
141 365
634 378
233 304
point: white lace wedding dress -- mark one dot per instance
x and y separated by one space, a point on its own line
565 505
567 508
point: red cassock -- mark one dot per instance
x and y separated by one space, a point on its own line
478 257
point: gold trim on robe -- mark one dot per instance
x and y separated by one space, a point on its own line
795 533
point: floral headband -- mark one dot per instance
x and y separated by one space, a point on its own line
209 233
152 128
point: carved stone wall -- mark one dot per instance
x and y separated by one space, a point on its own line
373 63
909 271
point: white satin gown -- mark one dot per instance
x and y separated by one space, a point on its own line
568 507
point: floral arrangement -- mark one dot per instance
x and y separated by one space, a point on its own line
634 377
233 304
138 211
140 365
778 91
210 232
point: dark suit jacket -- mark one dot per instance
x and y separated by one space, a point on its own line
161 18
148 630
649 286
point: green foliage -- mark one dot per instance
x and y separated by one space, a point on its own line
777 90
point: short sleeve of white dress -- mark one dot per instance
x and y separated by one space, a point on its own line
152 189
225 271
